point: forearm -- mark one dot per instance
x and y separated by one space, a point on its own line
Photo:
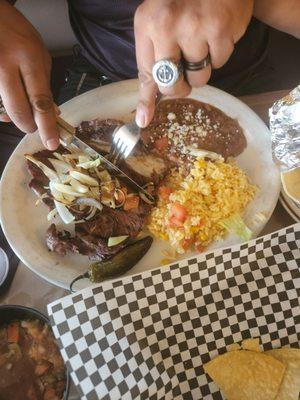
283 15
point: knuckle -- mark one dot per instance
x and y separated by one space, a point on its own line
145 78
163 19
139 14
41 103
30 128
219 28
192 22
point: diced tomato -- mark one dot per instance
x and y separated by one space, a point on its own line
161 144
200 248
131 203
179 211
202 223
13 332
175 223
186 243
164 192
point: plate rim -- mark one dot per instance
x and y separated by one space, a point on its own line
285 202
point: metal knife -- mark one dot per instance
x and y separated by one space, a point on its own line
68 137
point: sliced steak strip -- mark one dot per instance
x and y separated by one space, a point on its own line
112 222
39 190
95 248
42 156
141 167
97 130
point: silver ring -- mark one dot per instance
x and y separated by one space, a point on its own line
167 72
197 66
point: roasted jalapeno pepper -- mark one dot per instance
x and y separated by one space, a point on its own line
122 262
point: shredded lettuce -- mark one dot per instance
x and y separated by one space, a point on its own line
236 225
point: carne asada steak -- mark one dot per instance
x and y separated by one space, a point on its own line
88 245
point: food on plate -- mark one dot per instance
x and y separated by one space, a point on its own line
88 204
142 166
194 210
31 366
182 160
119 264
246 373
291 184
183 123
290 387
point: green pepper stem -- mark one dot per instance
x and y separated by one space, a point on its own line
78 278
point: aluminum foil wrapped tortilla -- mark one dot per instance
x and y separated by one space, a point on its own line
285 130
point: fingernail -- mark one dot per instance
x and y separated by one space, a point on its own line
52 144
140 118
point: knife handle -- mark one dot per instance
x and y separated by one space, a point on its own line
66 131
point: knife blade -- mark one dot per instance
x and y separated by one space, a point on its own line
68 137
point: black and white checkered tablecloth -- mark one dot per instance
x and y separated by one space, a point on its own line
147 336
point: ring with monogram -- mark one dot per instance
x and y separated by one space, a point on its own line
167 72
197 66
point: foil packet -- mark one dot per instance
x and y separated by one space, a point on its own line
285 130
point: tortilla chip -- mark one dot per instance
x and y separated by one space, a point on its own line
290 386
234 347
251 344
246 375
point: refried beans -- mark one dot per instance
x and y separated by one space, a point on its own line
182 123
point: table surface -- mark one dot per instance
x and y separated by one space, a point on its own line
30 290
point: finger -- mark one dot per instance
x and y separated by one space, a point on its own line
147 87
195 52
166 49
4 118
15 101
37 86
48 65
220 51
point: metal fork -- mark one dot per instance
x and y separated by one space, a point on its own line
125 139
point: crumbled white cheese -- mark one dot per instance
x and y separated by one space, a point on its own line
171 116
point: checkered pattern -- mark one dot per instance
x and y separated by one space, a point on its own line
147 336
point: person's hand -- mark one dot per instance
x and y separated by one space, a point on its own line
189 29
25 77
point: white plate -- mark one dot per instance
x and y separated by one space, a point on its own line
289 205
4 266
25 224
